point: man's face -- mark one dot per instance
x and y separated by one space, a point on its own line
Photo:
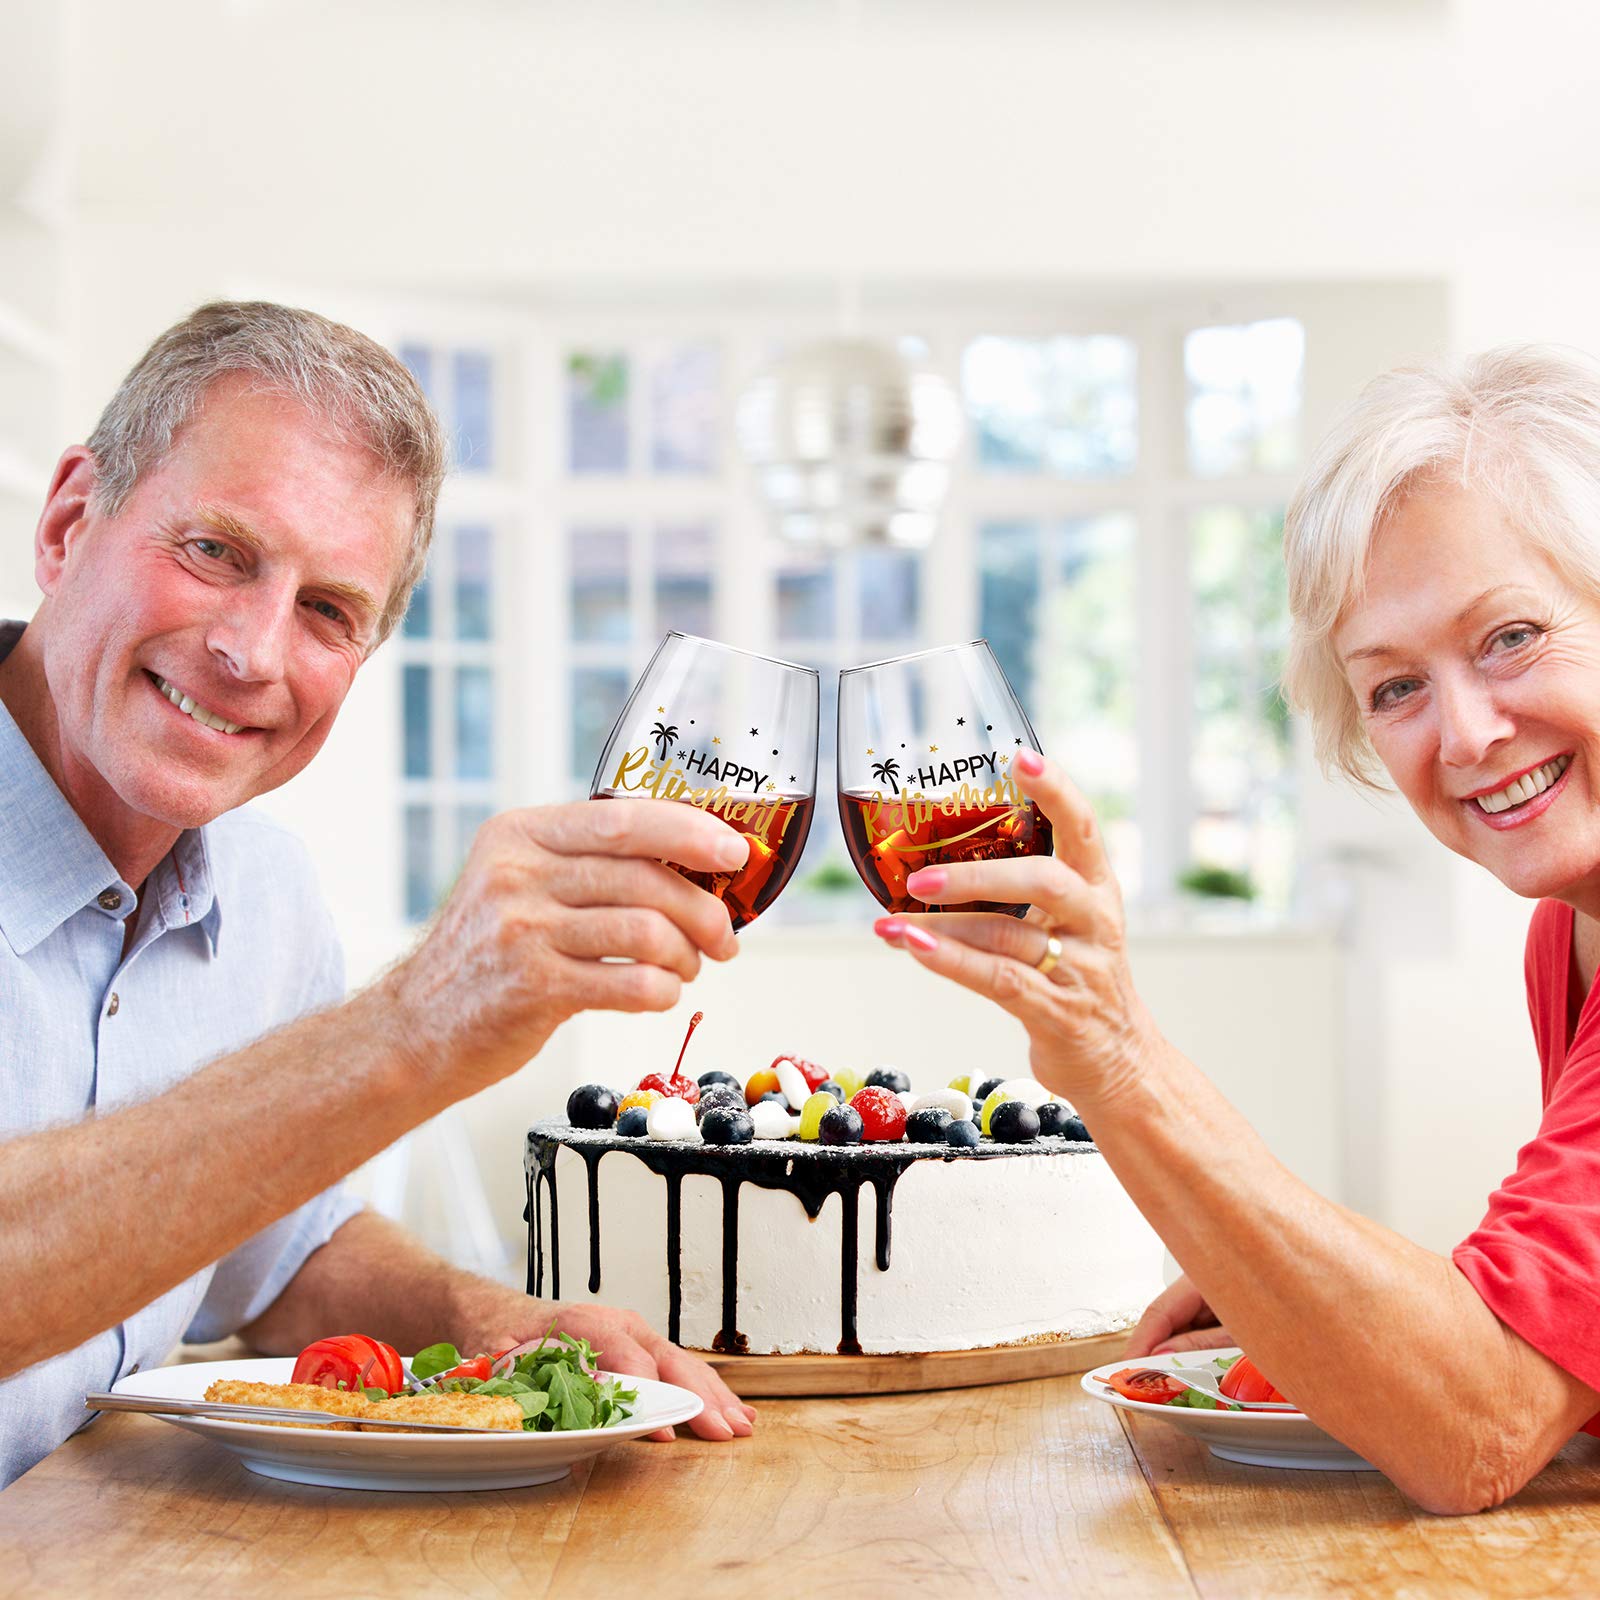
243 577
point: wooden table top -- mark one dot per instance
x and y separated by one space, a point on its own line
1019 1488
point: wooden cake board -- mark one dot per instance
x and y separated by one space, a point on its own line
788 1376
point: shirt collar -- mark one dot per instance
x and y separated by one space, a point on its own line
51 868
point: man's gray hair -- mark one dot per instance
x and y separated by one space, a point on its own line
1520 423
351 381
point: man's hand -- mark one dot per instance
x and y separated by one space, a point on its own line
546 895
624 1342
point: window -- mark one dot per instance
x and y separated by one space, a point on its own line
446 648
1113 529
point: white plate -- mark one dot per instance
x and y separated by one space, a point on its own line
1255 1438
382 1460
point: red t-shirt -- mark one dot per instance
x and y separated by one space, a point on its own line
1535 1258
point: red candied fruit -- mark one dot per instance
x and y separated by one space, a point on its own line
882 1113
814 1075
678 1088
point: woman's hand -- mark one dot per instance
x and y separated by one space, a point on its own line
1177 1319
1088 1028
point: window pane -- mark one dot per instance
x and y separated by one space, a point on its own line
474 554
598 694
686 409
599 561
683 578
474 397
597 411
469 818
1066 406
419 862
806 601
416 696
418 358
474 722
888 583
1242 773
1008 556
1086 671
418 623
1244 396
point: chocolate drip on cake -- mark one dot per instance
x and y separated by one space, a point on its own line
728 1340
809 1172
674 1253
591 1159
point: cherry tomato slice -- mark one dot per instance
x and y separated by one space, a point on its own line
1244 1381
1146 1383
478 1367
350 1361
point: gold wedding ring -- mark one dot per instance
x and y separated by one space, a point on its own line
1052 954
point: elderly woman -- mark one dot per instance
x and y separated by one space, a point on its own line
1444 580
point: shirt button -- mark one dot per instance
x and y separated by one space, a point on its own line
111 899
112 1009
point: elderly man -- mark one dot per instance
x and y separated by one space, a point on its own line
183 1077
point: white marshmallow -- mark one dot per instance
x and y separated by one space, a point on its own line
772 1121
952 1100
671 1118
792 1084
1029 1091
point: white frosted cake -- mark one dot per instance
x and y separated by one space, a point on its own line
777 1246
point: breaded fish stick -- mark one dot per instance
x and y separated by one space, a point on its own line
294 1397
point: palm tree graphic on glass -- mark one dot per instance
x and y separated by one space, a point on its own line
719 691
950 799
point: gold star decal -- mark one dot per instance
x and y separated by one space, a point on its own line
661 708
933 749
871 751
716 741
769 788
1004 760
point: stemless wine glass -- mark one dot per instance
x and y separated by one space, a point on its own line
925 749
734 733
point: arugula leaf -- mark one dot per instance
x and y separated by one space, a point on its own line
1199 1400
1222 1363
435 1359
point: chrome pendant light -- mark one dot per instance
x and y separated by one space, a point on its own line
851 443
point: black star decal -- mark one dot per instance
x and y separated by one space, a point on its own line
961 722
902 747
755 732
1016 741
791 777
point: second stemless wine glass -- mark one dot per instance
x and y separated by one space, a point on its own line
925 749
731 732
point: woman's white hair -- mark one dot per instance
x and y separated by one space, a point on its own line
1521 422
349 380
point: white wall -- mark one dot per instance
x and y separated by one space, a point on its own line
519 151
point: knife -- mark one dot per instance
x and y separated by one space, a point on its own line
104 1401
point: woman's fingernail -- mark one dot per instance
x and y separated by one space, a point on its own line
1162 1349
888 927
923 941
1030 761
928 880
738 1421
720 1423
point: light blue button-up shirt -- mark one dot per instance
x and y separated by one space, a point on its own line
84 1029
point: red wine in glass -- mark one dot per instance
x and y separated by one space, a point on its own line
926 743
730 732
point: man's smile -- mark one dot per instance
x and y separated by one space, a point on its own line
191 707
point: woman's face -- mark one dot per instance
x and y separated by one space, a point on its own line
1476 666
